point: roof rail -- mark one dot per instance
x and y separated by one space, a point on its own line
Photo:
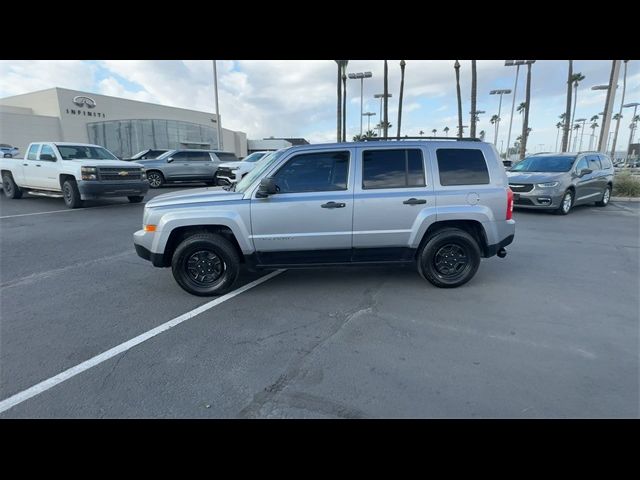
376 139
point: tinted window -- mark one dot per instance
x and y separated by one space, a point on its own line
82 152
199 157
402 168
33 152
462 166
594 162
47 150
582 164
605 162
181 156
227 157
314 172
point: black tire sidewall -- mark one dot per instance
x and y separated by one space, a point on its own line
75 200
456 236
218 245
7 181
154 173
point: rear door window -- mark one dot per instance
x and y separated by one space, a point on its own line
594 162
32 154
199 157
392 168
462 166
605 162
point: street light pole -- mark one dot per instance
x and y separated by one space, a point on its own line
501 93
633 124
218 122
361 76
509 63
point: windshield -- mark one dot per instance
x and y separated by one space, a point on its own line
545 164
165 155
263 164
254 157
82 152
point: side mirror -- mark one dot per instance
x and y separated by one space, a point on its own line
585 171
170 159
47 157
267 187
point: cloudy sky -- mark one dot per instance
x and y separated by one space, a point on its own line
290 98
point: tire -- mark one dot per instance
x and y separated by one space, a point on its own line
436 265
606 197
207 255
11 190
136 199
156 179
565 204
71 194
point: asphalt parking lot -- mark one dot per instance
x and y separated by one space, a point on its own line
552 331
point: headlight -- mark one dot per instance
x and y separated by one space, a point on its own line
143 174
233 168
89 173
547 185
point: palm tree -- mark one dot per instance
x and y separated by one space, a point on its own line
341 66
559 125
521 108
402 64
525 122
494 121
567 118
575 79
370 134
421 133
456 66
576 127
344 101
446 131
615 135
474 88
482 135
434 131
593 127
358 138
386 99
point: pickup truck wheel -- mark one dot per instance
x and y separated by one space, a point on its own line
205 264
136 199
156 179
71 194
450 258
11 190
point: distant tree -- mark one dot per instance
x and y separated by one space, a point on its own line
446 131
567 119
421 133
434 131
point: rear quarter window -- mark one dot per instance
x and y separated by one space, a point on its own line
604 160
462 166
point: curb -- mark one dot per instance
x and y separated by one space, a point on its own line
625 199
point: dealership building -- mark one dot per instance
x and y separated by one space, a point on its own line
123 126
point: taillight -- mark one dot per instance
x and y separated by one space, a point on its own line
509 204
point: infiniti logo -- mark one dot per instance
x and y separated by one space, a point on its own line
81 100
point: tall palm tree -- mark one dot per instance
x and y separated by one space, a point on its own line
615 135
434 131
339 109
344 101
525 122
421 133
386 99
456 66
482 133
402 64
474 92
494 121
567 118
446 131
559 125
576 127
593 127
575 79
521 108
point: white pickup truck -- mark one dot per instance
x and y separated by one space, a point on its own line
73 171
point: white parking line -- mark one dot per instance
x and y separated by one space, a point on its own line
123 347
71 210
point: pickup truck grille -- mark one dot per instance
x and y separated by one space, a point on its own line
226 172
119 174
521 187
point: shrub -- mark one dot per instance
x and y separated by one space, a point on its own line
626 185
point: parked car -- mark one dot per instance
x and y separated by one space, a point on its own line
73 171
8 151
148 154
186 165
233 172
438 205
559 181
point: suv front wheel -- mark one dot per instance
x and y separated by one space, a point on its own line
205 264
450 258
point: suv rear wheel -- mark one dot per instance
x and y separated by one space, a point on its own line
450 258
156 179
205 264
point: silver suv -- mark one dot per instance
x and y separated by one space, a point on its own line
441 205
558 181
185 165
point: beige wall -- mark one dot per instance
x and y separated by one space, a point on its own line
234 142
20 130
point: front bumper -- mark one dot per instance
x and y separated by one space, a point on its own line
538 199
90 190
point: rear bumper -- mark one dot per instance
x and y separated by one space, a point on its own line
92 190
491 250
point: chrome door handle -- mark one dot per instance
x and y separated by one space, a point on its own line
414 201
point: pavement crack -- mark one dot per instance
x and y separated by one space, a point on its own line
113 369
